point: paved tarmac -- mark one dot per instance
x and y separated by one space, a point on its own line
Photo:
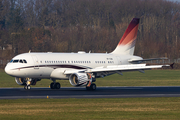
100 92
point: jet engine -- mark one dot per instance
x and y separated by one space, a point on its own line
80 79
23 81
20 81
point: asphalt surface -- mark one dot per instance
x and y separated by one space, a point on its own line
100 92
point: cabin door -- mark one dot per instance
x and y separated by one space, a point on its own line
36 63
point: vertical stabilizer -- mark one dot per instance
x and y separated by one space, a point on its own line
127 43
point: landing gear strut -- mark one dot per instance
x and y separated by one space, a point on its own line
55 85
28 83
92 87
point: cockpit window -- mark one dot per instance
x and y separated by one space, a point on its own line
15 61
18 61
24 61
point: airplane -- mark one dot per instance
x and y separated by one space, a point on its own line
81 69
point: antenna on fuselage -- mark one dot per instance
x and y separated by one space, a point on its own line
29 51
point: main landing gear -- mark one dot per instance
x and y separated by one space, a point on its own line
55 85
91 87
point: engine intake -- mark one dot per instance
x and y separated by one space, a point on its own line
20 81
79 79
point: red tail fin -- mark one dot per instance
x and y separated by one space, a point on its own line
127 43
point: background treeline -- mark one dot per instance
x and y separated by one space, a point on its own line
96 25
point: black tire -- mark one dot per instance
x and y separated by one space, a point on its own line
92 87
52 85
57 86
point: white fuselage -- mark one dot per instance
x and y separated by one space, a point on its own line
41 65
81 69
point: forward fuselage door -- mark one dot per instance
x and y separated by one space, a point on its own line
36 63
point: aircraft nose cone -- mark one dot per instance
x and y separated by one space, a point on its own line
7 70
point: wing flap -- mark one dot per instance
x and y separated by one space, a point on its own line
125 68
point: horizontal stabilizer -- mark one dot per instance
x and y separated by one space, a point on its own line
143 60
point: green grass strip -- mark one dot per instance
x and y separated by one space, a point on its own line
110 108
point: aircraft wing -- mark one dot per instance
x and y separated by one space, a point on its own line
134 67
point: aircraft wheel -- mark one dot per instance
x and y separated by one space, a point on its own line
57 86
27 87
52 85
92 87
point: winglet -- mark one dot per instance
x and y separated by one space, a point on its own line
127 43
172 65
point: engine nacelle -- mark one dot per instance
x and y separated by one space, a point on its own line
23 81
20 81
79 79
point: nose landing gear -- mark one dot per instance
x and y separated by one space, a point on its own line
27 87
28 83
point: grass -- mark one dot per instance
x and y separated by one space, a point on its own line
111 108
150 78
